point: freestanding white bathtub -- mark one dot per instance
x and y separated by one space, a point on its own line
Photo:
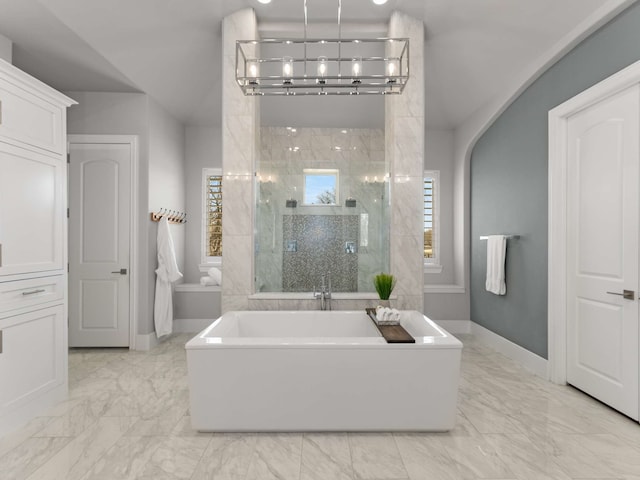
321 371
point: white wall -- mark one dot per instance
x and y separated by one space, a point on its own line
439 156
124 114
444 298
161 158
203 149
166 185
167 170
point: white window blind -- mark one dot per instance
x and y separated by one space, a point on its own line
213 215
428 199
431 220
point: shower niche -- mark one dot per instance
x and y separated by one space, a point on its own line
322 207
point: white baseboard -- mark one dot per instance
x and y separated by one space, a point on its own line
529 360
146 341
455 326
191 325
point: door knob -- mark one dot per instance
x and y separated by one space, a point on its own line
626 294
122 271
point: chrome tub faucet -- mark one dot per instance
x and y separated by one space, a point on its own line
324 295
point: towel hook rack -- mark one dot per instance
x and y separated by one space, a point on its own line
173 216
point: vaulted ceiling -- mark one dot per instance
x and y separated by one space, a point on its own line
171 49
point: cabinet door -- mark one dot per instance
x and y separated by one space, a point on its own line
29 120
33 356
31 211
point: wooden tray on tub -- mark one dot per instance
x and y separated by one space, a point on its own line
391 333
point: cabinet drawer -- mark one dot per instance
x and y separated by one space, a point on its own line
28 120
27 293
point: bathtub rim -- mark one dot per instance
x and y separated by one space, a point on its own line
204 341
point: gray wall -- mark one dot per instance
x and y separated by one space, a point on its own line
509 183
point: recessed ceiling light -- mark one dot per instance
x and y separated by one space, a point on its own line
269 1
378 2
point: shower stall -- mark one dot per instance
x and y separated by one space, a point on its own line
322 207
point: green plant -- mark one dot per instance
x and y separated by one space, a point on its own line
384 283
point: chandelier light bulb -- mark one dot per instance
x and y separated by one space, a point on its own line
252 66
322 70
287 70
392 70
356 70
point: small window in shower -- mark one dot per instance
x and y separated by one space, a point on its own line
320 186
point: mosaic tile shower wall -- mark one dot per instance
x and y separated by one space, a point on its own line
317 245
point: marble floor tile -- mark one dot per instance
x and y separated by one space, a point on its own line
183 429
227 457
424 456
578 461
75 459
376 456
475 457
175 458
623 457
326 456
13 439
276 457
524 459
127 417
125 460
27 457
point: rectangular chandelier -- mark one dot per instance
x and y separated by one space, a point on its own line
377 66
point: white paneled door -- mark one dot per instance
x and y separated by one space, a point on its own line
603 207
99 237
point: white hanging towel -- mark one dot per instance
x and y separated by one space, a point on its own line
496 254
166 272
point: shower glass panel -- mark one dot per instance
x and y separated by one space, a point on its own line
322 207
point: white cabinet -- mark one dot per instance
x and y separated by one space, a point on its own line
32 211
33 247
28 118
32 367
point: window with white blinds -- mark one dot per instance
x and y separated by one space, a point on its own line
212 214
430 211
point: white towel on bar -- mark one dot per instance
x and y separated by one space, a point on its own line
496 254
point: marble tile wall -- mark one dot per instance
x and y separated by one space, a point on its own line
404 150
240 137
